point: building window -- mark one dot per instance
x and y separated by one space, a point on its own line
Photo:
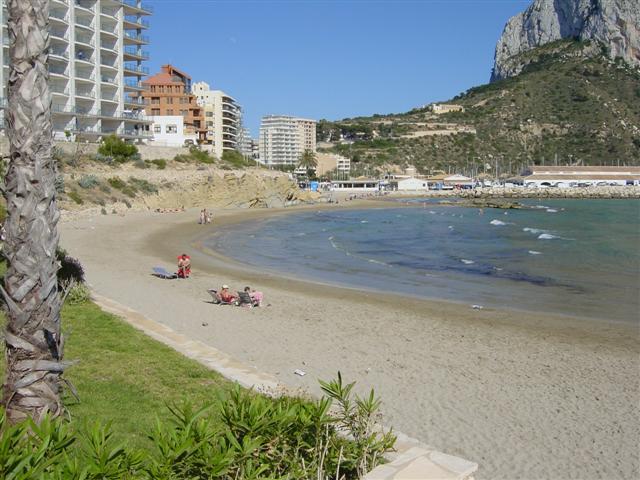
169 100
172 129
155 101
184 100
209 114
153 88
161 88
209 124
170 111
157 129
155 112
184 113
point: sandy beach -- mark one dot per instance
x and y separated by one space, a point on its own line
524 395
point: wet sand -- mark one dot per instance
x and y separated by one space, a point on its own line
525 395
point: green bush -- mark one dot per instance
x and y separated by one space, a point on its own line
88 181
242 435
117 183
75 196
234 158
118 149
142 185
78 294
161 163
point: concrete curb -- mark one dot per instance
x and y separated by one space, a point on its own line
412 460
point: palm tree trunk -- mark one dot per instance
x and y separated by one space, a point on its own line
33 341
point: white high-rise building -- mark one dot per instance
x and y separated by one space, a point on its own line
95 67
283 139
221 117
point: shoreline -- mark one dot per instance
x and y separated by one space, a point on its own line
454 377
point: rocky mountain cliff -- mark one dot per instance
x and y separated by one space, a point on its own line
613 23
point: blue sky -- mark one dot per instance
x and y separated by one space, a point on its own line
330 58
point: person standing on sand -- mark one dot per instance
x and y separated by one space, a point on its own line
203 217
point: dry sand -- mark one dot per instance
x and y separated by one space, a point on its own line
525 395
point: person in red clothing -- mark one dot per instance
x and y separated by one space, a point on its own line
184 266
225 295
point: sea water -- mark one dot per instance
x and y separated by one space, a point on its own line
574 257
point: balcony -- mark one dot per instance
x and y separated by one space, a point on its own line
58 17
58 35
105 30
110 66
58 71
109 80
135 52
58 54
62 109
86 40
133 21
134 4
134 100
59 90
85 94
84 57
112 13
134 84
85 76
84 4
136 37
137 69
110 48
84 23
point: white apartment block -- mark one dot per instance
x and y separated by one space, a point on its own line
95 67
283 139
222 116
169 131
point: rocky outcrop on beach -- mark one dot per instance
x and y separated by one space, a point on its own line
500 197
180 187
612 23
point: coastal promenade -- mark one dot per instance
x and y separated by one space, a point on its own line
522 394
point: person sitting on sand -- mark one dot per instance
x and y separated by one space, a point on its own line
225 295
256 297
184 266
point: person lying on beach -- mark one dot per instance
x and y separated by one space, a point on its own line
225 295
184 266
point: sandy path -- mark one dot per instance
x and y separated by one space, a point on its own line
524 395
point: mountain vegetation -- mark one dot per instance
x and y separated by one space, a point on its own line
571 104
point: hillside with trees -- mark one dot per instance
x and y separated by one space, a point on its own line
571 104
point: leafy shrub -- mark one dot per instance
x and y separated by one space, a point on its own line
117 183
105 188
98 157
78 294
161 163
142 185
241 436
118 149
88 181
234 158
195 155
75 196
70 270
103 211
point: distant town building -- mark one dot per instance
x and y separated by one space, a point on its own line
446 108
222 116
283 139
328 162
562 177
245 142
169 131
168 93
95 66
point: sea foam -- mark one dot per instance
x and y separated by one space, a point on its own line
547 236
497 222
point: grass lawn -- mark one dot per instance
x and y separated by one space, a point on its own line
125 377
